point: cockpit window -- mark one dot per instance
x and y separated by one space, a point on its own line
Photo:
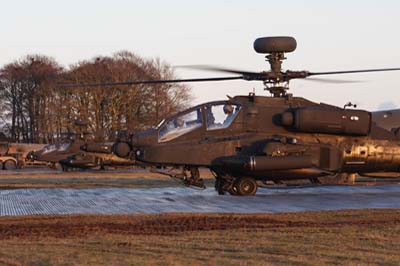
180 125
221 115
63 146
56 147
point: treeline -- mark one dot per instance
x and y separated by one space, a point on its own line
36 108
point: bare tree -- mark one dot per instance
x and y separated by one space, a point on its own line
25 86
125 107
35 108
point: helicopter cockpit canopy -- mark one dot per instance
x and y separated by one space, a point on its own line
56 147
180 125
218 115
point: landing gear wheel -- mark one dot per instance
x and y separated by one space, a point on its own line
233 190
222 186
193 178
246 186
10 165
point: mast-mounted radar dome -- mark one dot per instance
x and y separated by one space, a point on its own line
270 45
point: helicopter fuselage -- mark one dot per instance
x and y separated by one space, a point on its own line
270 138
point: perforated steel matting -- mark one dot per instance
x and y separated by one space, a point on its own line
158 200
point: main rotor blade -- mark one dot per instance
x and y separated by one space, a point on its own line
334 81
352 71
162 81
220 69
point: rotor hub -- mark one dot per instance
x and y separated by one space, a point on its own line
275 81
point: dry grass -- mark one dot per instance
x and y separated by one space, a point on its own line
365 237
46 178
87 182
27 178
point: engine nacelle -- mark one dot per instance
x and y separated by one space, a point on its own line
122 149
328 121
266 163
97 147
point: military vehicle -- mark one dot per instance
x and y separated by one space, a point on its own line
14 155
7 161
248 140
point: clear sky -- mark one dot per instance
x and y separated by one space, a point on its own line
334 35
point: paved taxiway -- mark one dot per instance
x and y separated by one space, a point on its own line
158 200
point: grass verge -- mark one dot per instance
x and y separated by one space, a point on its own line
359 237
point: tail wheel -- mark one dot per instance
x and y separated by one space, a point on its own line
246 186
10 165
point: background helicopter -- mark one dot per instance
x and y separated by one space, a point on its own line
68 153
248 139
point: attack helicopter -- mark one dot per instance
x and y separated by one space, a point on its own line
68 154
247 140
388 119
